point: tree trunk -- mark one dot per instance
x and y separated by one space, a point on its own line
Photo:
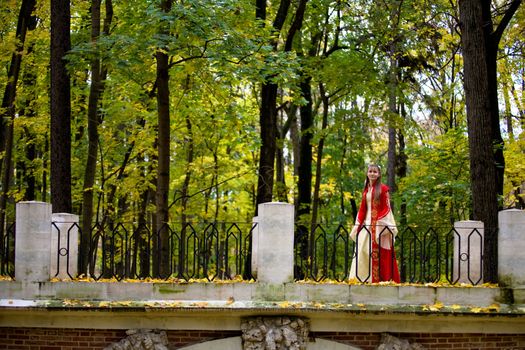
304 183
401 169
479 117
28 110
163 167
25 23
296 143
392 132
318 165
268 115
184 196
281 189
267 120
93 122
7 115
480 42
60 108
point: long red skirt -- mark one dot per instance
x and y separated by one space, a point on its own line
384 264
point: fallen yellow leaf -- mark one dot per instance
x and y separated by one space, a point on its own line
436 307
284 304
69 302
494 307
125 303
200 304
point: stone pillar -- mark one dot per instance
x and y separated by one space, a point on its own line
275 243
33 237
511 247
255 245
64 245
468 251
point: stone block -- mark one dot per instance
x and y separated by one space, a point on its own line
64 245
82 290
477 296
413 295
511 247
329 293
371 294
269 292
33 239
275 255
468 250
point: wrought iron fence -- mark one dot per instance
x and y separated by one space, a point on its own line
222 251
424 255
193 251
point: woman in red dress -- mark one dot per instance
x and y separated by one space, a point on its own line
375 259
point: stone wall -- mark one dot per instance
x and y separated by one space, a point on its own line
90 339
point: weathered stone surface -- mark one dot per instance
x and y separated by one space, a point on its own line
389 342
141 339
275 333
511 246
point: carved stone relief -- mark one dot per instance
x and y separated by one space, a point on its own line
275 333
258 333
141 339
389 342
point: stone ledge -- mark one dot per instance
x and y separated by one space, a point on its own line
226 315
220 306
243 291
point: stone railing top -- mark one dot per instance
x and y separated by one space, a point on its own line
314 296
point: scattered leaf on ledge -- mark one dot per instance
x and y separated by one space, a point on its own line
284 304
436 307
200 304
494 307
124 303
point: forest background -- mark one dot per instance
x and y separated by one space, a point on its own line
180 111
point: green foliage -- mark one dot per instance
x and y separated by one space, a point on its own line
514 187
436 190
219 56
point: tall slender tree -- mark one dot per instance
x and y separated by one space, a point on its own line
479 41
163 147
98 74
268 112
60 107
26 22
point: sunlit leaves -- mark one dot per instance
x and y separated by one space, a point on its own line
437 187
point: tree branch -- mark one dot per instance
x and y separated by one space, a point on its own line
497 34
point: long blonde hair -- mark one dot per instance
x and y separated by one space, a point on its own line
377 185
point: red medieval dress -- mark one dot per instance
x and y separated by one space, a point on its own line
375 219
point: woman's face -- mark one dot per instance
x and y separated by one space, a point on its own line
373 174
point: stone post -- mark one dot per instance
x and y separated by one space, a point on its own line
468 252
511 248
64 245
255 245
33 237
275 243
